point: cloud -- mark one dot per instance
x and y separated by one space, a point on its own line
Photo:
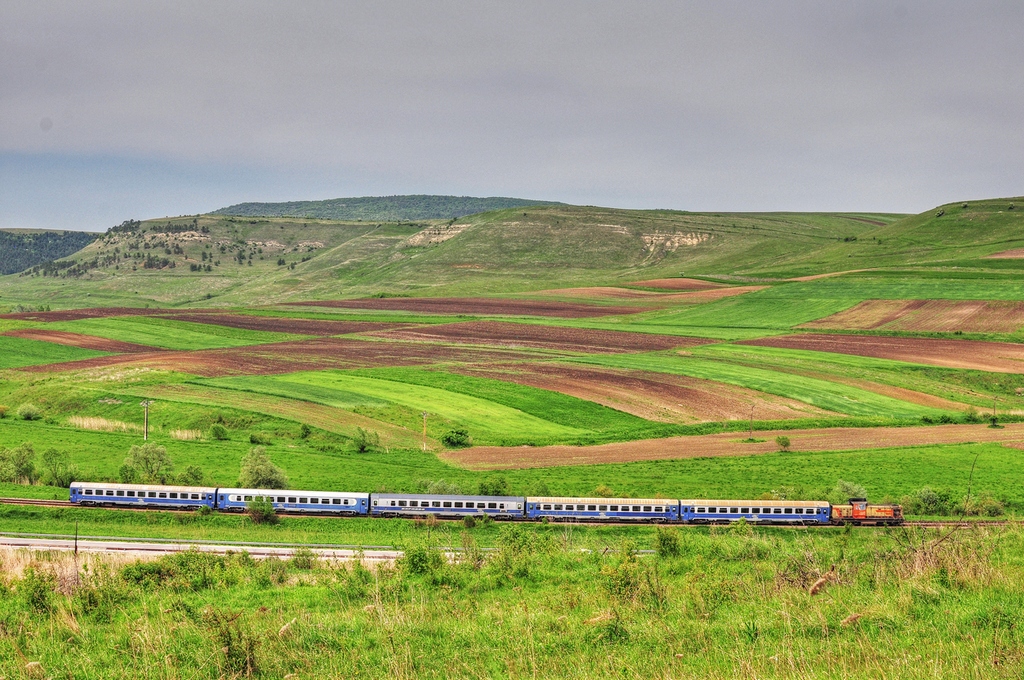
716 105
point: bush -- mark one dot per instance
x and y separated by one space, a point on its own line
147 464
783 443
469 522
192 476
305 431
456 439
666 542
29 412
219 432
259 438
603 491
927 501
261 511
971 415
258 472
366 441
304 558
494 486
3 411
438 486
419 559
843 491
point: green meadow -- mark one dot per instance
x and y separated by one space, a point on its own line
18 352
168 333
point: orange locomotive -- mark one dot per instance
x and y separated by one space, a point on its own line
859 512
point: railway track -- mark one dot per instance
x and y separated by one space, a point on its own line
924 524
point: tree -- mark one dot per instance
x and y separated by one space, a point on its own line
18 464
219 432
783 443
843 491
261 511
495 486
456 439
192 476
59 471
258 472
366 440
147 464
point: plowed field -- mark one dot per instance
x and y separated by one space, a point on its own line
79 340
997 357
727 444
286 357
652 396
75 314
502 306
677 284
981 316
283 325
600 293
507 334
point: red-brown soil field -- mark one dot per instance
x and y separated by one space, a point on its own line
727 444
997 357
652 396
1014 254
279 324
978 316
509 334
502 306
600 293
79 340
75 314
286 357
677 284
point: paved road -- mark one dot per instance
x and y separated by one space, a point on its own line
142 548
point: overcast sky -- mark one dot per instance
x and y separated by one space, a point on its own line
117 110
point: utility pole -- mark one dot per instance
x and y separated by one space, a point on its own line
424 414
145 426
751 421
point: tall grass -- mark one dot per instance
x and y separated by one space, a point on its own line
102 424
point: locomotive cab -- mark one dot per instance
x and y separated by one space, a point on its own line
859 511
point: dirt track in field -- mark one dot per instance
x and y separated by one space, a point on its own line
1014 254
286 357
278 324
996 357
653 396
79 340
75 314
677 284
979 316
727 444
509 334
502 306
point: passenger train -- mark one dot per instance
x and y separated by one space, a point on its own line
555 509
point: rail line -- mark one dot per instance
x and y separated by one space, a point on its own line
925 524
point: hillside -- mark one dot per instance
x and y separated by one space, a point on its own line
380 208
21 249
216 260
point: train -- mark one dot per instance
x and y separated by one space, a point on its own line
512 508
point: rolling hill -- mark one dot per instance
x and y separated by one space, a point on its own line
21 249
380 208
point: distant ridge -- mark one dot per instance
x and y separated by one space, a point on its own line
24 248
380 208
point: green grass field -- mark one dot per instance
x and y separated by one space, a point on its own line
18 352
170 334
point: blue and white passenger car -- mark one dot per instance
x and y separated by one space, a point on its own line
324 502
704 511
143 495
423 505
607 509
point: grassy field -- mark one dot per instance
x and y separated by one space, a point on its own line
168 333
18 352
754 603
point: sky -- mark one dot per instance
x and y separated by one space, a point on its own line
115 110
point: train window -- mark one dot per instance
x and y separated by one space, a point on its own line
375 502
401 504
492 505
546 507
636 508
435 504
88 492
174 494
701 510
659 509
755 510
470 504
734 510
248 498
195 496
303 500
744 510
647 508
602 508
458 504
501 506
777 511
152 494
132 494
337 501
557 507
789 511
799 511
447 504
591 507
162 494
613 508
120 493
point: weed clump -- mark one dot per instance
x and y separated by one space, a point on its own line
29 411
219 432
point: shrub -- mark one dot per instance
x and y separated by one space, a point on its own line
3 411
469 522
304 558
783 443
926 501
147 463
666 542
258 472
843 491
305 431
366 440
971 415
192 476
219 432
29 412
456 439
419 559
259 438
604 491
494 486
261 511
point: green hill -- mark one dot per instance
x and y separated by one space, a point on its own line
380 208
21 249
225 260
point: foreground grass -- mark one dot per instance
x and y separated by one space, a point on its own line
727 604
